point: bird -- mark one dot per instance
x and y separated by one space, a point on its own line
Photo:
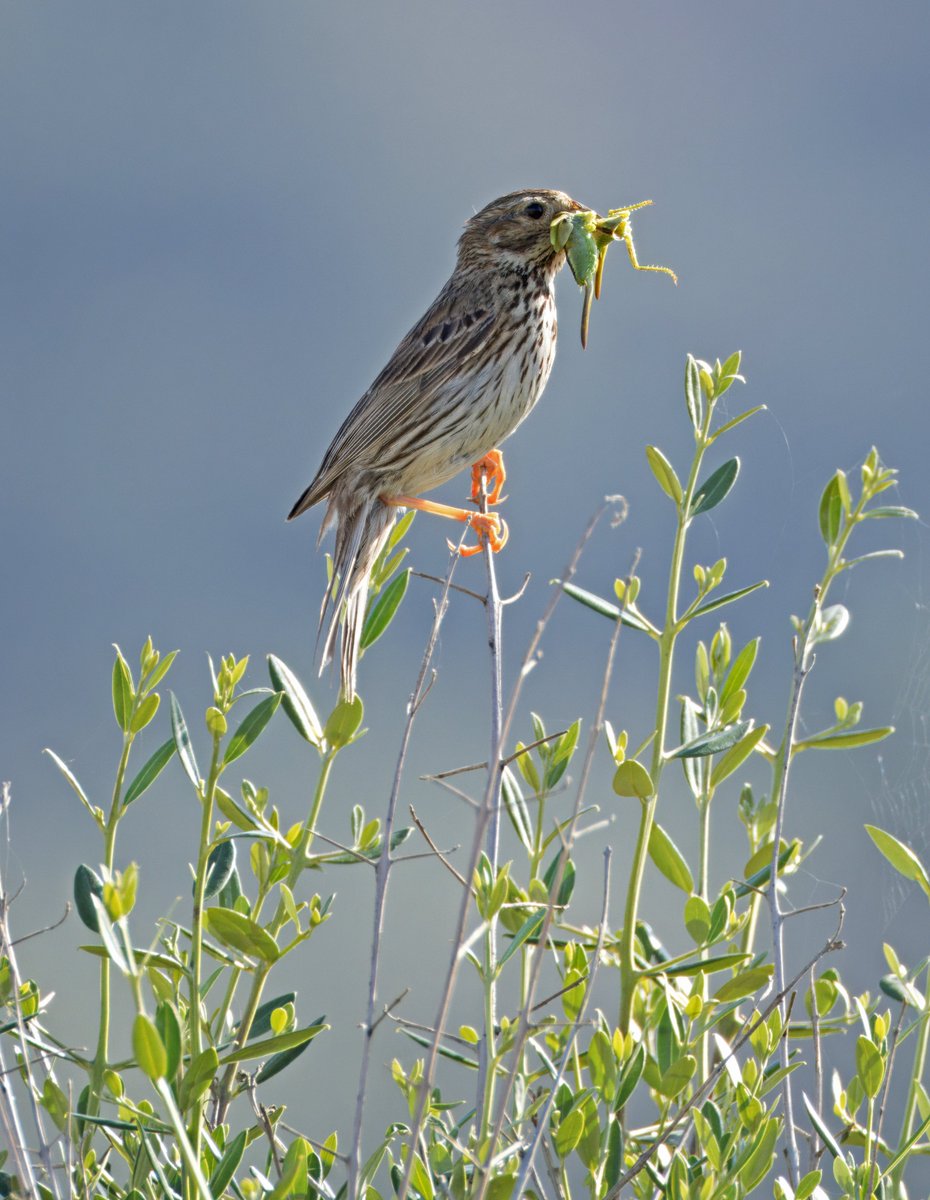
459 383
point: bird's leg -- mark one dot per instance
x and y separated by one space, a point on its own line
486 525
487 471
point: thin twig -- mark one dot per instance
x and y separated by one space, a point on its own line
432 845
816 1150
382 874
45 928
504 762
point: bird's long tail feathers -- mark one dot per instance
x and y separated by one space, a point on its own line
360 538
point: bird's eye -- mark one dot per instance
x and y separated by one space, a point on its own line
535 210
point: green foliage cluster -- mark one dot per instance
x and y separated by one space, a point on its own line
687 1088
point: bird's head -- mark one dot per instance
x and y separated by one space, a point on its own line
514 230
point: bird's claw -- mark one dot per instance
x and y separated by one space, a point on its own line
490 528
488 473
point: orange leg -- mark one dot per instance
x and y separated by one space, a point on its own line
488 472
486 525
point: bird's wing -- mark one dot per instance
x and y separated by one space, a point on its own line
451 333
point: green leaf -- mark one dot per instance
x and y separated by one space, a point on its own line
808 1185
605 608
169 1030
831 511
150 772
870 1067
713 743
665 473
87 884
715 488
344 722
740 670
108 935
891 510
759 1163
228 1165
844 740
669 859
381 613
737 755
738 420
220 866
697 918
277 1063
296 702
632 779
154 678
148 1049
704 966
122 691
198 1077
566 887
693 398
744 983
182 740
727 598
630 1077
145 712
242 933
901 857
252 725
527 931
677 1077
261 1022
78 790
569 1132
516 808
273 1045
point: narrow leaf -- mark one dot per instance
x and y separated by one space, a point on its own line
72 780
273 1045
606 609
901 857
737 755
296 702
713 743
846 740
693 398
182 739
147 1048
122 691
728 598
715 488
669 859
664 472
228 1164
527 931
381 613
252 725
150 772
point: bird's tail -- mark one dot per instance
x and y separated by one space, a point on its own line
360 537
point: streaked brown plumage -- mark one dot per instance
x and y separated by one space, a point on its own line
459 383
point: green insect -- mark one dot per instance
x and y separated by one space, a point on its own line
585 236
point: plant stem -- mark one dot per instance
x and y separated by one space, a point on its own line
195 1020
910 1107
109 853
667 638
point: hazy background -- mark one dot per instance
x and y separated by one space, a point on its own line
219 219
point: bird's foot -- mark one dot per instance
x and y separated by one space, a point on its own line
487 478
491 528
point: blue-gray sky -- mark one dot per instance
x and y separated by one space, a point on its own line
218 220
